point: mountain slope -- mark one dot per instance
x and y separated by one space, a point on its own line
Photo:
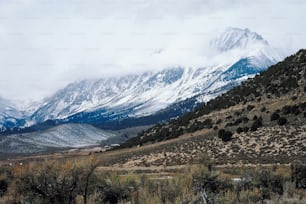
281 89
62 136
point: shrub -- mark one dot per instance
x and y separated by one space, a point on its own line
211 184
293 98
238 121
245 119
221 132
286 110
229 124
246 129
275 116
55 182
51 183
219 121
256 124
112 190
228 117
3 187
302 106
298 171
268 183
207 123
225 135
282 121
250 107
239 130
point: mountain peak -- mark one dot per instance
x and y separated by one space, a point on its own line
233 38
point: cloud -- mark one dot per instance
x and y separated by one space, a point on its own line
45 44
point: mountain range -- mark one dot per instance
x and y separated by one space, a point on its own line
150 97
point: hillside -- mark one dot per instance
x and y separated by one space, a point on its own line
263 120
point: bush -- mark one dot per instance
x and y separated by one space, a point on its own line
256 124
246 129
275 116
55 182
225 135
211 184
282 121
3 187
294 98
113 191
268 183
286 110
219 121
250 107
238 121
239 130
298 176
49 183
229 124
245 119
6 178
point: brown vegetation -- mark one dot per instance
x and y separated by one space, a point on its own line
81 182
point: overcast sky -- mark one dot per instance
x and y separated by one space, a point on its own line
45 44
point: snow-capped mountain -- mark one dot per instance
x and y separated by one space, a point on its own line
233 38
240 54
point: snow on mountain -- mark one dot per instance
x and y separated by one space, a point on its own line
62 136
241 54
236 38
